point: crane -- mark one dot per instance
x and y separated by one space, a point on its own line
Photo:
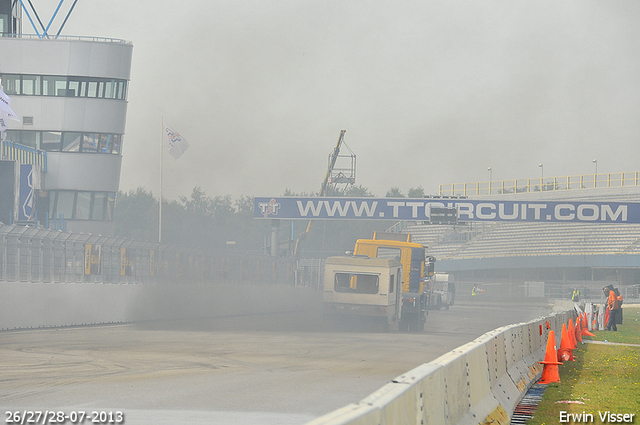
333 177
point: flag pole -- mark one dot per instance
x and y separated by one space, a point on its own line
160 202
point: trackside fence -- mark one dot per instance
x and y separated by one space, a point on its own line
478 383
29 254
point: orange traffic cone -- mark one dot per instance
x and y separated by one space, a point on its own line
578 330
586 332
550 372
565 353
584 321
572 335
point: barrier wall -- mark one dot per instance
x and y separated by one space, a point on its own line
477 383
32 305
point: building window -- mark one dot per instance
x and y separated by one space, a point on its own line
99 202
4 24
54 86
92 90
31 85
51 141
63 207
31 139
82 205
109 92
74 88
90 142
68 141
25 137
71 142
110 205
121 93
11 83
64 86
117 143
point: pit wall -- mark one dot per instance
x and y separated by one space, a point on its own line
35 305
480 382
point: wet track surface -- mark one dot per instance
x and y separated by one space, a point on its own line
265 369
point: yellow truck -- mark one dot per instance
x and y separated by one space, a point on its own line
417 271
362 287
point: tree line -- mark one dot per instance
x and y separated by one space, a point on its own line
221 223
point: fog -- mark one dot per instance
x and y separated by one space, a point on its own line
429 92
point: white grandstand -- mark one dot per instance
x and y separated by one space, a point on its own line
562 255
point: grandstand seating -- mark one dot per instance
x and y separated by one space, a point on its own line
484 240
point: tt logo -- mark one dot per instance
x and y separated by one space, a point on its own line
269 208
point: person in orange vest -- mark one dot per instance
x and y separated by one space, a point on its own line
612 307
619 313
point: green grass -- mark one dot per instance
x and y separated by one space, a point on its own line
603 377
628 333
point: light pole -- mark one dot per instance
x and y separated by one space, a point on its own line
595 161
541 175
490 178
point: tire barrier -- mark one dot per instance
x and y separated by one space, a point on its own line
480 382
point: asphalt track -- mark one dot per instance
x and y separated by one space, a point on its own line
250 369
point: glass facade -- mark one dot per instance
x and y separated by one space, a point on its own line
81 205
68 141
64 86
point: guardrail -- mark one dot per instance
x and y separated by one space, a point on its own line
477 383
68 37
503 187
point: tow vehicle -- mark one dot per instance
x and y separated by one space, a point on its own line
417 274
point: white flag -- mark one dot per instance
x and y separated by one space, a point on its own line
176 143
5 106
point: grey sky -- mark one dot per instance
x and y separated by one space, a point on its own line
430 92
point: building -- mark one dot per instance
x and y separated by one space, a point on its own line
70 94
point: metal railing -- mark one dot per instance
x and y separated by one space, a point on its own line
68 37
503 187
24 154
29 254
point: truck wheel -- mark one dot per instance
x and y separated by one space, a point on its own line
403 325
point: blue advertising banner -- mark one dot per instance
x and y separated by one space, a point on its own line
295 208
28 185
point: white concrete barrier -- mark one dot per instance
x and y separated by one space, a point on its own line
33 305
477 383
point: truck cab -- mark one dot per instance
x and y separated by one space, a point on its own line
417 273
